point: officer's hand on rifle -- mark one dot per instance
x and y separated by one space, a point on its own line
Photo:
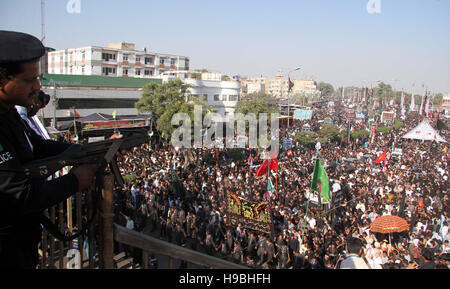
85 175
116 136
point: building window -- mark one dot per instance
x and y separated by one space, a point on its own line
148 60
108 70
125 71
217 97
204 97
83 55
172 61
108 56
146 72
232 98
161 61
138 72
125 57
138 59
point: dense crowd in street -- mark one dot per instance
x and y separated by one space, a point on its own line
412 186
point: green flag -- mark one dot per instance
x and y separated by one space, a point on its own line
270 188
114 114
324 187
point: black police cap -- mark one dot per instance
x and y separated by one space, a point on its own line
19 47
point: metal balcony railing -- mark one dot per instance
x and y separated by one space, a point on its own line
97 247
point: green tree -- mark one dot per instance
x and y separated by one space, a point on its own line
326 89
328 132
437 99
156 97
359 133
398 124
384 92
256 103
306 138
384 129
417 99
165 100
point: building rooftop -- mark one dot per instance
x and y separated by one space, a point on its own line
96 81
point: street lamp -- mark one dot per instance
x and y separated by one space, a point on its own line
289 91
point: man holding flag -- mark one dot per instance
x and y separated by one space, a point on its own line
382 158
323 188
267 165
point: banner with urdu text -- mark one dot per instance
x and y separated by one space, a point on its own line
254 216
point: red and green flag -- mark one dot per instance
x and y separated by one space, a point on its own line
320 182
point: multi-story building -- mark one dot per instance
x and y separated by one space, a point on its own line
222 95
278 86
253 85
253 88
118 59
307 86
44 61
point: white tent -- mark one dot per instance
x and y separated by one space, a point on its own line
424 131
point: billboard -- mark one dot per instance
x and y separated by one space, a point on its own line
303 114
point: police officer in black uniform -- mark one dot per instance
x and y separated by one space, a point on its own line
22 199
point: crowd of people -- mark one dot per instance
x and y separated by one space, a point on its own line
180 196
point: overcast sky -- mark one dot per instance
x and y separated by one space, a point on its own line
336 41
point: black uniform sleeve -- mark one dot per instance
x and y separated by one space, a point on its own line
46 148
20 195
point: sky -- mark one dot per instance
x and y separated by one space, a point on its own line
341 42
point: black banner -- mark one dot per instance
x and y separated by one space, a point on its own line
254 216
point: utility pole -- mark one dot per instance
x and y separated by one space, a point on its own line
43 21
42 64
55 103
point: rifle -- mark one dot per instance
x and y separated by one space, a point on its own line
94 153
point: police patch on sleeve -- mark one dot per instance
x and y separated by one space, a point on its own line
4 156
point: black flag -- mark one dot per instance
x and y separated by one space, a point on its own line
441 125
